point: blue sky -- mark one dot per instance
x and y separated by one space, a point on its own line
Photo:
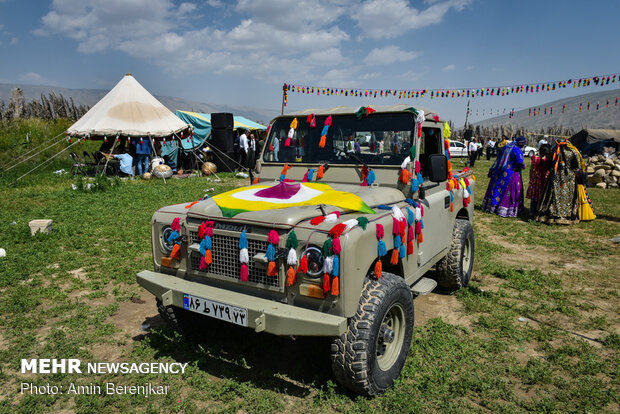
241 52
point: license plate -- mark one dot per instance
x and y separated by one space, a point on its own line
217 310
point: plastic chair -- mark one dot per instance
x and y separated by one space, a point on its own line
78 166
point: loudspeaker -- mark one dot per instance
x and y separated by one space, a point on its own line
224 161
222 139
468 133
222 120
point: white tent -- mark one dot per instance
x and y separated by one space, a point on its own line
128 110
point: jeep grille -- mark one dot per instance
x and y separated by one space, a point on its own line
225 254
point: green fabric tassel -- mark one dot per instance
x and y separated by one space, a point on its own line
327 248
412 109
291 241
361 112
413 151
363 222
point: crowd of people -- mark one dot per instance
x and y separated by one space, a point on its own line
556 187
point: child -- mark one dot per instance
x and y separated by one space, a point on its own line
538 176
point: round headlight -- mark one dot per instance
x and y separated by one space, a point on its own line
163 238
315 261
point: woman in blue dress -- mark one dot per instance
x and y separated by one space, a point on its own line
504 195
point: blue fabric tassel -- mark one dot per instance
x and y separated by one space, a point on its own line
384 207
371 177
410 216
310 174
173 237
409 201
270 254
422 223
402 251
451 197
420 178
397 242
325 129
204 245
414 185
243 240
336 266
282 177
447 154
382 248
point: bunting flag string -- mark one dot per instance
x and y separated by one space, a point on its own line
502 90
544 110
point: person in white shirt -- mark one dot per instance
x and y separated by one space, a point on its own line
490 148
542 141
243 148
473 152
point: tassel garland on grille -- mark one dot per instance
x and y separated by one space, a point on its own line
205 232
291 259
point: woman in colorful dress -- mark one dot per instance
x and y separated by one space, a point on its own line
560 202
538 176
504 195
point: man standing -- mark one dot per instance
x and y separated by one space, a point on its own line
473 152
243 149
490 148
542 142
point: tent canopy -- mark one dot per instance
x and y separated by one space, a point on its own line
202 124
592 141
128 110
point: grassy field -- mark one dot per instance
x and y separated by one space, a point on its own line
537 329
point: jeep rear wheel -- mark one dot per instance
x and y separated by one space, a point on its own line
370 355
454 270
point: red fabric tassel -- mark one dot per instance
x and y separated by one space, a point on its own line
303 265
309 119
335 286
271 269
176 224
364 183
317 220
418 167
378 269
323 141
451 207
336 249
380 231
305 179
326 284
176 252
364 172
202 230
405 176
394 259
290 276
410 247
337 230
395 226
273 237
208 257
243 276
410 233
403 228
418 227
203 265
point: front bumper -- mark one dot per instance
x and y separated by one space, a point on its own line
263 315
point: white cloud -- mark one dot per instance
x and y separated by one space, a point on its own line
448 68
215 3
33 78
469 68
389 54
410 76
14 40
278 40
380 19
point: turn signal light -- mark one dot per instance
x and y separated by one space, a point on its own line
313 291
166 261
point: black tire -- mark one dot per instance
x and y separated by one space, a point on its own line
362 360
179 319
531 154
454 270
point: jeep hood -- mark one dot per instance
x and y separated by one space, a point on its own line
372 196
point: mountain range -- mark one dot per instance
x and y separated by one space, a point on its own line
603 117
90 97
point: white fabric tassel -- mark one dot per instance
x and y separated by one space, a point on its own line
397 213
291 133
292 257
350 224
328 264
404 164
331 218
418 213
243 256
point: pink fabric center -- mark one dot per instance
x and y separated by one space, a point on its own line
281 191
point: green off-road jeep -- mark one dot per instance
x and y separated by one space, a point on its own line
350 210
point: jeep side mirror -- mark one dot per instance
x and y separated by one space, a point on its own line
438 170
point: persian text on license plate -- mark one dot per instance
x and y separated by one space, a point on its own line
217 310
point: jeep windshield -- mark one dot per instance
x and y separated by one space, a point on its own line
378 140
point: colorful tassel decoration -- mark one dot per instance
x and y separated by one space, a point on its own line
310 174
320 173
394 259
208 258
327 248
332 217
336 286
378 269
322 141
402 251
305 178
256 180
244 272
380 231
410 246
271 269
337 230
290 276
336 249
362 222
371 177
317 220
336 266
176 225
382 248
420 238
303 265
176 252
273 237
326 284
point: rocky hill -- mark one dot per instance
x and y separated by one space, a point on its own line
604 117
90 97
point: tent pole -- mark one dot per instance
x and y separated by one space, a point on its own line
111 153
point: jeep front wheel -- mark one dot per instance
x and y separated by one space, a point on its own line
370 355
454 270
